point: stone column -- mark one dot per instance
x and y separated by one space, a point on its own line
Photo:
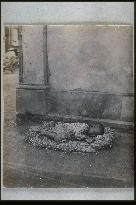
33 77
33 53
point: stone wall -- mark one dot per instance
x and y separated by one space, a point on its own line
77 70
91 58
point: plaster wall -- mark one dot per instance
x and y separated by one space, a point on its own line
33 54
90 71
90 57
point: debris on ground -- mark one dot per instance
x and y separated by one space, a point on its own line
71 137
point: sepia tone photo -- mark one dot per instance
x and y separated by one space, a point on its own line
68 106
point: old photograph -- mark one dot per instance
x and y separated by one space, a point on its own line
68 106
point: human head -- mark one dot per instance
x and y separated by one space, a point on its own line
96 129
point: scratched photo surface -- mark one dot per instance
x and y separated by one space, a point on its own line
68 106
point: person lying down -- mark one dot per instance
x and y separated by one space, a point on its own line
78 137
65 131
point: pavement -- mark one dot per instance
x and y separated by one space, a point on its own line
27 166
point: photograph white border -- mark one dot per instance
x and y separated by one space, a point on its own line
63 12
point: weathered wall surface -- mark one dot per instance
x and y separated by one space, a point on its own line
91 71
30 101
94 58
33 54
85 104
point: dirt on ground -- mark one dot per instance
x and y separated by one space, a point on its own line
10 82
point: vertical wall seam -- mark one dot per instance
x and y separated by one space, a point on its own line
121 107
20 56
45 56
47 62
44 53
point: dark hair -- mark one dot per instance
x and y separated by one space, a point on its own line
96 129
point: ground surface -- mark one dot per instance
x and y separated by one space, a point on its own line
26 166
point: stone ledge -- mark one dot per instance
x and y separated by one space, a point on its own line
33 87
36 87
30 118
42 100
